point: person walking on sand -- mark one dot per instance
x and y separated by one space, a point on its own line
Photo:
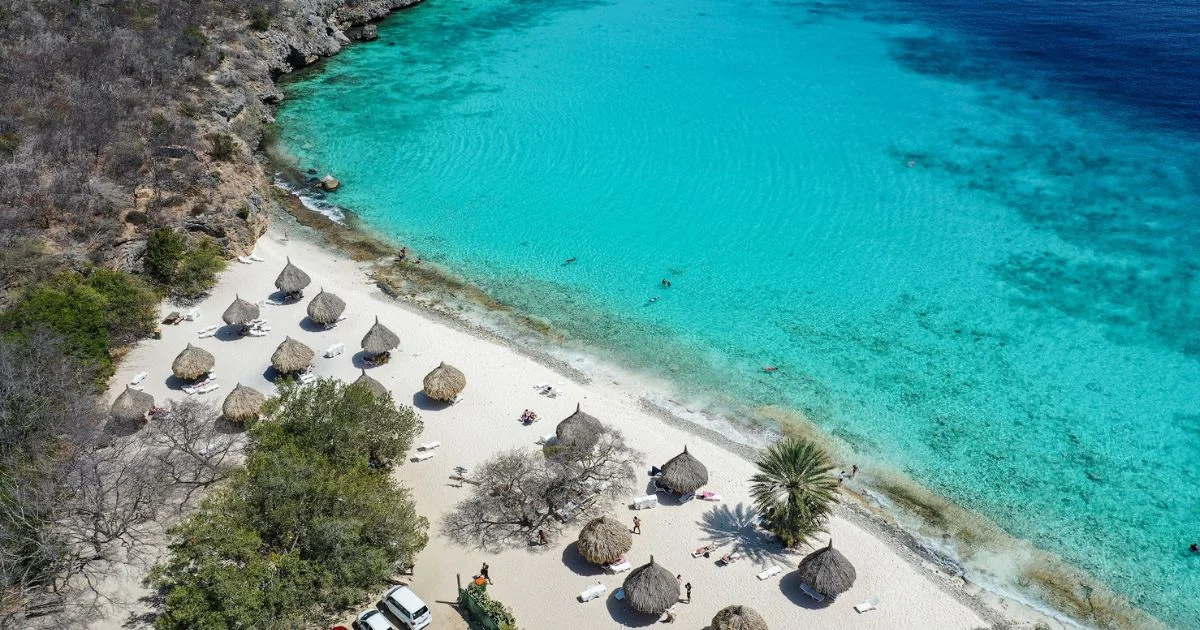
483 573
637 525
688 589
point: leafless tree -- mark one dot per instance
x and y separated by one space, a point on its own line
517 493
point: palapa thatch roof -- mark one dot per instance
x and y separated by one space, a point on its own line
240 312
292 356
243 403
131 405
738 617
375 386
827 571
325 308
651 589
604 540
444 382
379 339
291 279
683 473
192 363
578 430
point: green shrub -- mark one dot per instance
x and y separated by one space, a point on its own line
9 143
494 609
224 147
183 267
260 18
305 530
94 313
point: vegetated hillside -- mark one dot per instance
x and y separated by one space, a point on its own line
118 117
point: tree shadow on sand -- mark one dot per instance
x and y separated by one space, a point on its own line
738 526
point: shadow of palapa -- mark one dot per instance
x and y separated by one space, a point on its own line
626 616
789 585
573 560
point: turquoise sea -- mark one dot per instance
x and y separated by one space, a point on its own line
967 235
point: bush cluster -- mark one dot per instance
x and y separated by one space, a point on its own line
184 267
310 527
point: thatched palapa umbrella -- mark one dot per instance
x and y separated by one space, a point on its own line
375 386
578 430
192 363
379 340
325 308
738 617
292 356
651 589
131 405
240 313
827 571
242 404
604 540
683 473
291 280
445 382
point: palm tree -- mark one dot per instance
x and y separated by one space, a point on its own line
793 489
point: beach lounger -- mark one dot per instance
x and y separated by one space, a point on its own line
620 566
619 594
335 350
255 258
727 559
687 496
210 387
189 390
870 604
659 487
818 597
307 378
429 446
243 260
138 378
646 502
420 457
705 550
592 593
769 572
273 302
709 495
547 439
193 314
669 614
257 333
208 329
137 388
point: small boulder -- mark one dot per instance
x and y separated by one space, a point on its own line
369 33
330 183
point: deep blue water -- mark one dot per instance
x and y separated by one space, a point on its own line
967 233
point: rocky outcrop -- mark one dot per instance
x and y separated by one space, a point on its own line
307 30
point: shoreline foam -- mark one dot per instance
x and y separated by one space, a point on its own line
899 510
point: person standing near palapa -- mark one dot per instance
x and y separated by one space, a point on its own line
637 525
483 572
688 588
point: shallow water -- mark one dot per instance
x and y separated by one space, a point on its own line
967 236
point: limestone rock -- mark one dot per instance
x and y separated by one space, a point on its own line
330 183
369 33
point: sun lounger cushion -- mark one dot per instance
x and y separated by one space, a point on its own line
138 378
618 567
593 592
429 446
420 457
769 572
870 604
646 502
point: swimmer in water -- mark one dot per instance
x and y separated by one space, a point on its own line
770 368
570 260
911 163
666 283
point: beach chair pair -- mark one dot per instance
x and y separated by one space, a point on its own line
645 503
422 456
208 387
705 550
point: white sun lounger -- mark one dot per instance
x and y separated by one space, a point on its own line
207 329
620 566
335 350
811 593
138 378
870 604
257 333
548 438
770 572
210 387
429 446
137 388
646 502
243 260
593 592
273 302
189 390
307 378
420 457
255 258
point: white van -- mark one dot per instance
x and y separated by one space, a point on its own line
407 607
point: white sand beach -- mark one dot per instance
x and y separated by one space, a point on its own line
540 584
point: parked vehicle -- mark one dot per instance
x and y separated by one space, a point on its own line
373 619
407 607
